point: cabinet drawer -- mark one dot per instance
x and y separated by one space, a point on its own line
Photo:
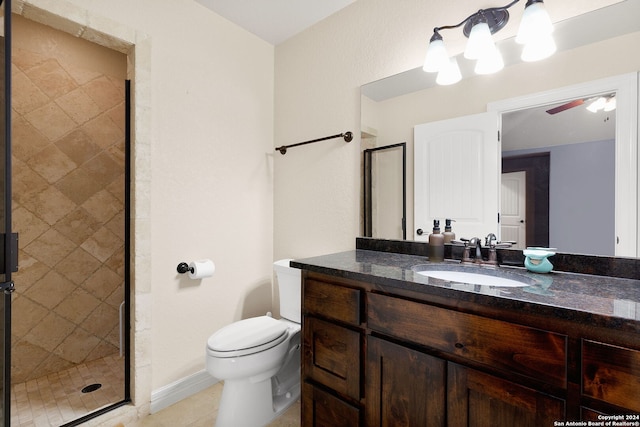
332 301
611 374
531 352
332 356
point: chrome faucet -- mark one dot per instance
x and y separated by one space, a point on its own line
490 242
476 243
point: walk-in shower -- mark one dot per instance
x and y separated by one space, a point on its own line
70 207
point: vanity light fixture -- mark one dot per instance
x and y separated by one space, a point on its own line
534 33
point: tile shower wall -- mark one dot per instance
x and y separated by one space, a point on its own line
68 199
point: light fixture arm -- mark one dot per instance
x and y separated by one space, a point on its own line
496 18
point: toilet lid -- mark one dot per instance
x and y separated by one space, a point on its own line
263 331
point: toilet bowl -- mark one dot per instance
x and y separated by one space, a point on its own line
259 360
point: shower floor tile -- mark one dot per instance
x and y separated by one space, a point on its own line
58 398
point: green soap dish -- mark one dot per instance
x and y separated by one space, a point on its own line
536 259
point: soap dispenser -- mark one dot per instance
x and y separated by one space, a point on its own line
448 234
436 243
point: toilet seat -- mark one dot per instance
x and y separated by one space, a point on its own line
247 337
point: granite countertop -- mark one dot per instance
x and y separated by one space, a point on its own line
596 300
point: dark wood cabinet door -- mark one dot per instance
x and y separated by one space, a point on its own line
322 409
403 387
331 356
611 374
480 400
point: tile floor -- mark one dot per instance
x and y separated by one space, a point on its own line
200 410
57 398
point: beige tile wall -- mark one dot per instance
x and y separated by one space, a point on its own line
68 196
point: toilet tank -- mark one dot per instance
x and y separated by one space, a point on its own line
289 287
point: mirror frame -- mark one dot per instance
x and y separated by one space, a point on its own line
367 188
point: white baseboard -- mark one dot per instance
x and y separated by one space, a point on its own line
181 389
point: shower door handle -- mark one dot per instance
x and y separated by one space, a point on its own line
13 237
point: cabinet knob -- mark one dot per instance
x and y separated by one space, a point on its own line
419 231
458 345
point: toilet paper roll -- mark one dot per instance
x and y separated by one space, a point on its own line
201 269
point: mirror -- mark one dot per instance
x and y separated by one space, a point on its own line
391 107
567 162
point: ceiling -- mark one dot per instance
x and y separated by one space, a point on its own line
533 127
275 20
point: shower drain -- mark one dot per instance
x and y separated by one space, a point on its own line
91 387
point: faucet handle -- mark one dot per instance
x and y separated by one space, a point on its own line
466 253
491 240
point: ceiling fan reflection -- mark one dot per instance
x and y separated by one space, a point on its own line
596 103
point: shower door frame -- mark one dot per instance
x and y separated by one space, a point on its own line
9 244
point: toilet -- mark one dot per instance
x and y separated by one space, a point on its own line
259 359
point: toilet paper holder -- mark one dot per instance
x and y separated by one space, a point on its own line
197 269
183 267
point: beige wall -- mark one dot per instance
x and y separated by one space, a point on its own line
211 184
318 77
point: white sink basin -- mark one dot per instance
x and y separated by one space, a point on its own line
472 278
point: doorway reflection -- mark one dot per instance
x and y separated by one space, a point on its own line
385 192
577 213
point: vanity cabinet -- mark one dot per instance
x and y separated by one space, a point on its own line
378 355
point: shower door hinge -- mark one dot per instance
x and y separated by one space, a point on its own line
7 287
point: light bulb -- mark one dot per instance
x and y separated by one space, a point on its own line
489 63
539 48
450 73
535 23
597 105
610 105
437 56
480 42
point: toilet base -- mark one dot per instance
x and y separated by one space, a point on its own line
247 404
